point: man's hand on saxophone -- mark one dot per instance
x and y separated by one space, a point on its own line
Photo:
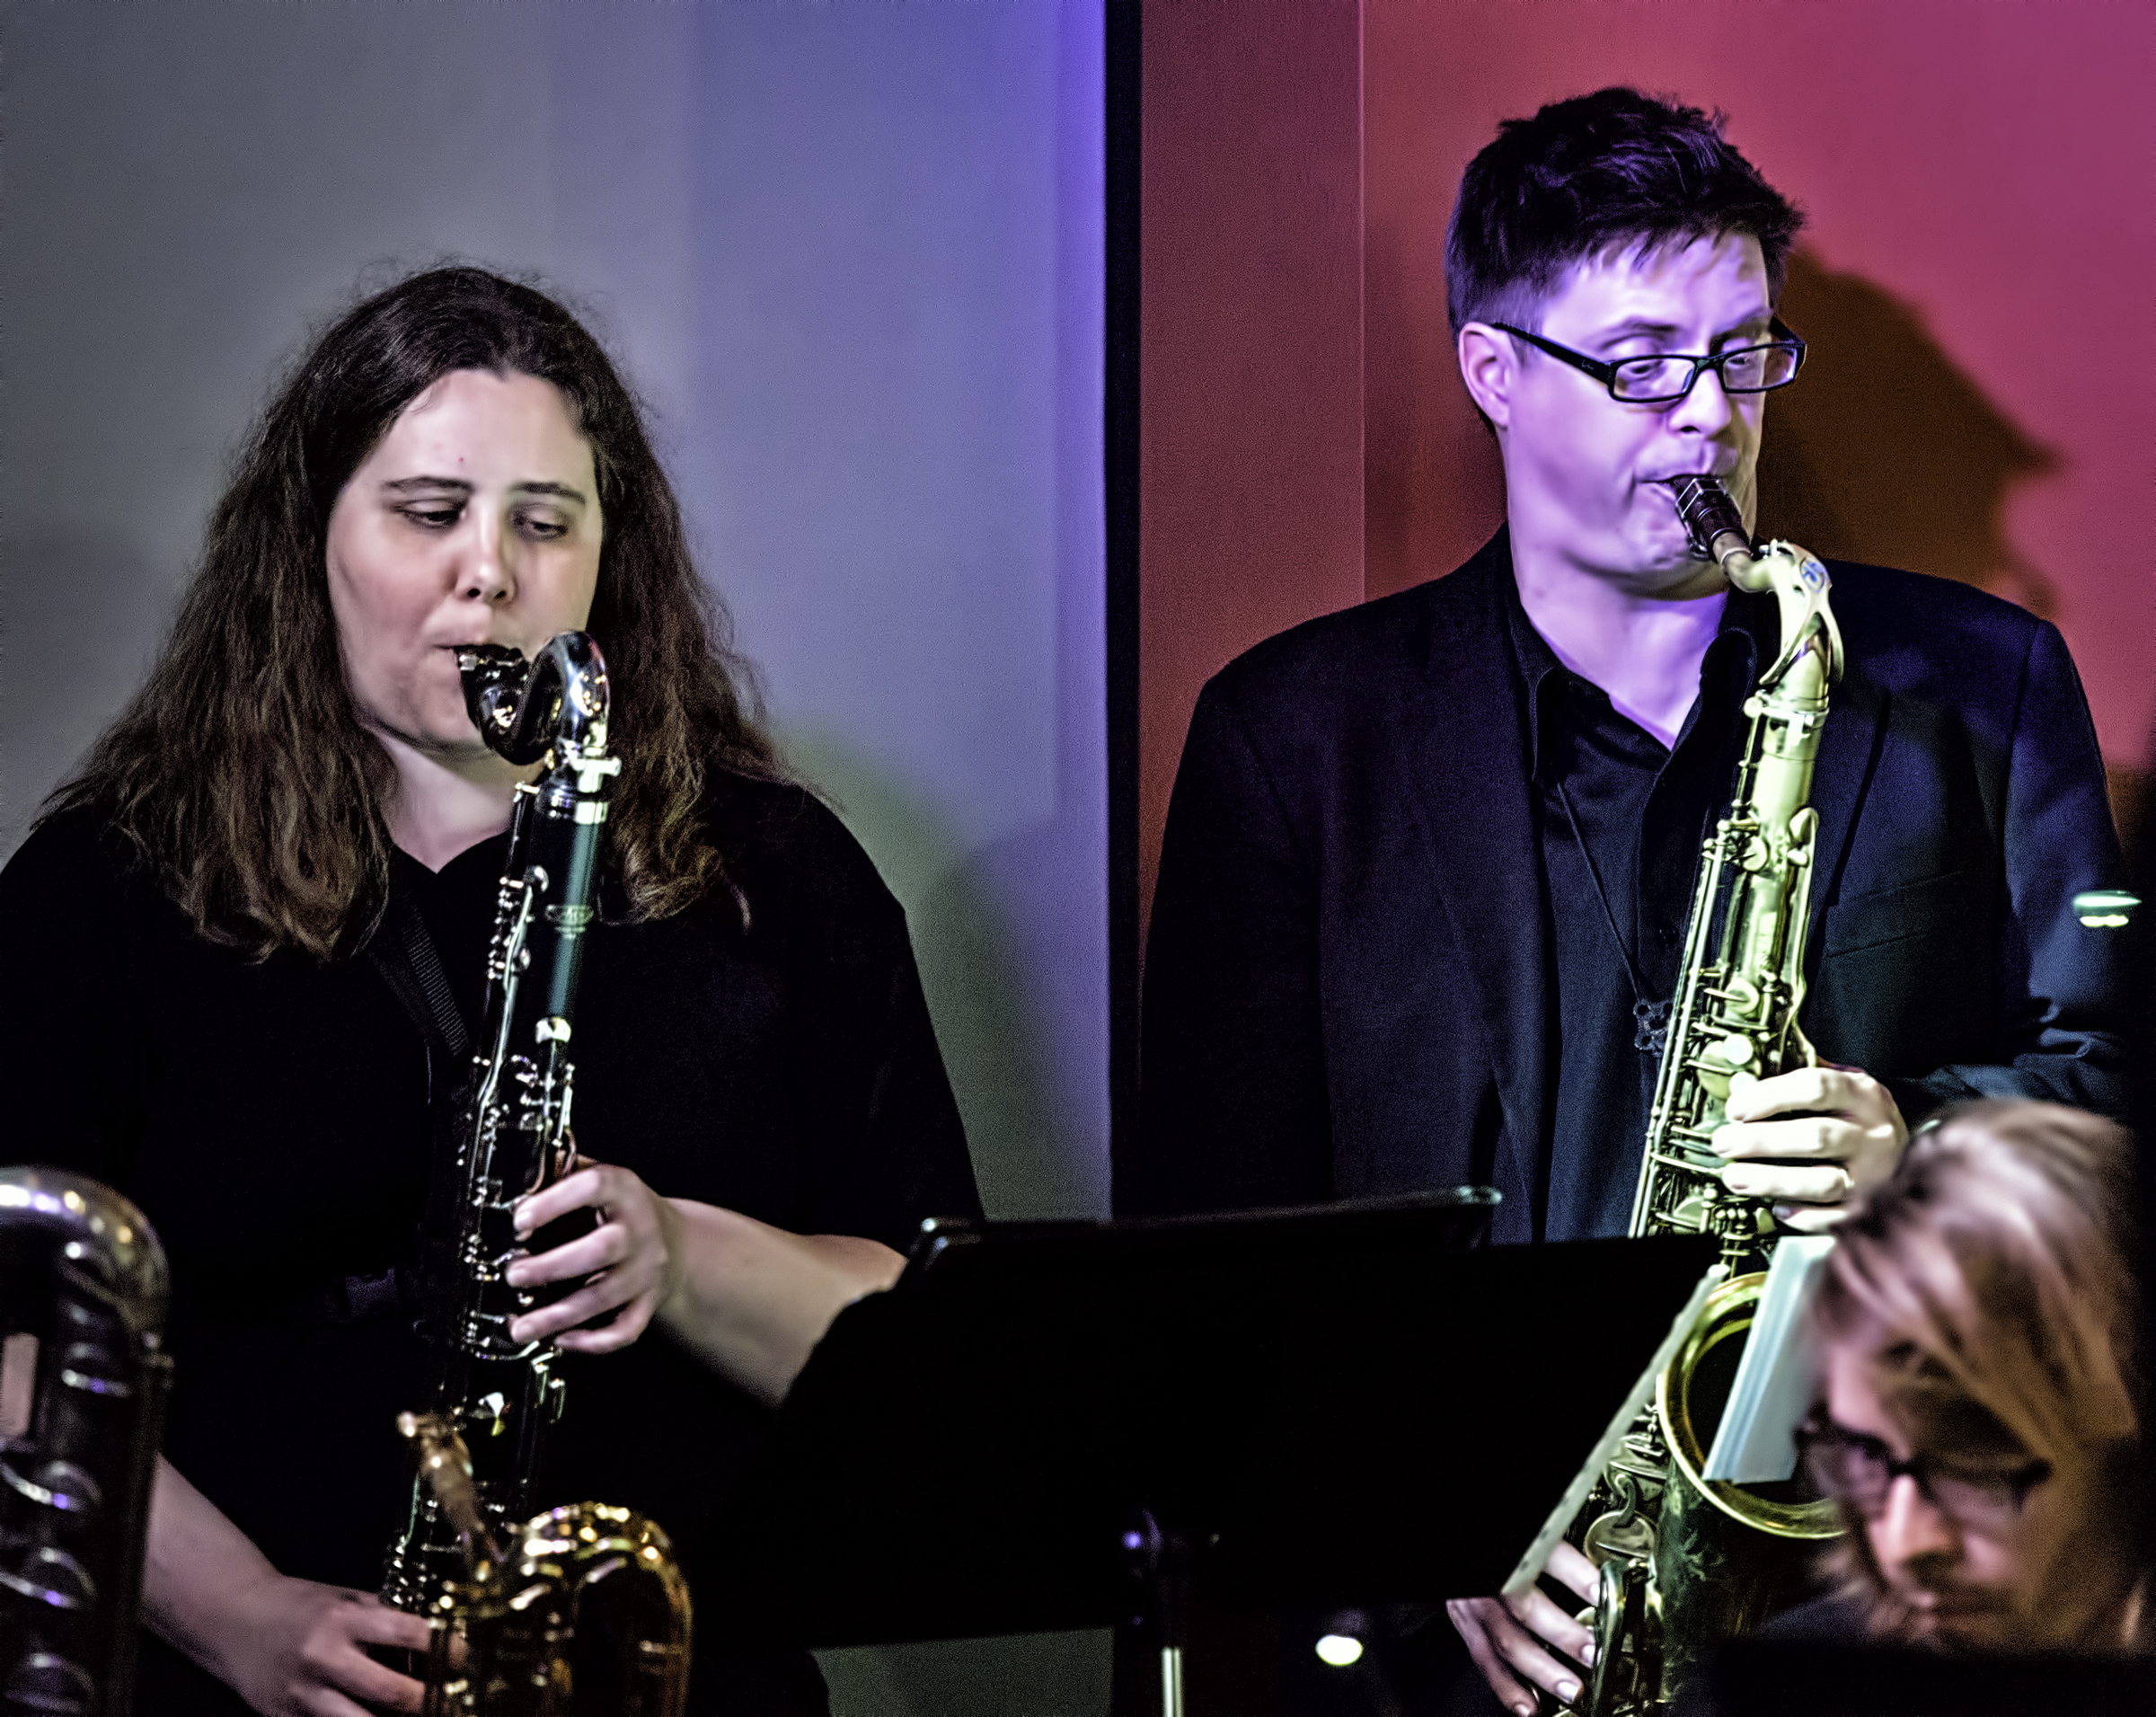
1516 1642
1841 1134
1813 1141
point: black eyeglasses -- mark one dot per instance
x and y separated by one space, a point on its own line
1856 1469
1666 378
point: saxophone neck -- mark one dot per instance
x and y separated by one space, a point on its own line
445 1468
1809 635
1796 576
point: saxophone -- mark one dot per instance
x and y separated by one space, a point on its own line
84 1288
1686 1561
504 1589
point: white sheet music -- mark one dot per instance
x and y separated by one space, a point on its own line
1777 1378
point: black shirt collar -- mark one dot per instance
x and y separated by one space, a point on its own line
1749 636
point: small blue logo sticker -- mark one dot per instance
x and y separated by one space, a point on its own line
1812 573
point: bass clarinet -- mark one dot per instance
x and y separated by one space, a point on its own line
502 1588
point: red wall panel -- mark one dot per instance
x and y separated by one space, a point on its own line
1974 281
1251 366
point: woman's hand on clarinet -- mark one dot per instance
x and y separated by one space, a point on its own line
1813 1165
749 1299
1523 1643
630 1265
305 1651
290 1648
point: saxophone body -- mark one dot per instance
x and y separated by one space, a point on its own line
83 1275
495 1398
1687 1562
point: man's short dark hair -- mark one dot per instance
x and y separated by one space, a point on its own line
1613 168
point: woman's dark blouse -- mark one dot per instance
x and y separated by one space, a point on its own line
270 1119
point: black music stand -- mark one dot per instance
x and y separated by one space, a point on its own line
1812 1678
1065 1425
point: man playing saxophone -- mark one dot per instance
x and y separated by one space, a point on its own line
1424 881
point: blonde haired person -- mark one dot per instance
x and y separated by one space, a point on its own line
1981 1424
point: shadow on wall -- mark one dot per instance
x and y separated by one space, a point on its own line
973 973
1886 452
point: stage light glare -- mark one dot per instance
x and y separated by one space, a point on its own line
1340 1650
2105 909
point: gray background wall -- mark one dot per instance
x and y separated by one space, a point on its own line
850 253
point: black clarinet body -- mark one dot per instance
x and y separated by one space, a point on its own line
513 1137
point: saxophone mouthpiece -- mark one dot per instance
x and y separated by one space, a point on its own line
1716 529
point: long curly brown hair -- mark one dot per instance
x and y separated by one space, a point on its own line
241 775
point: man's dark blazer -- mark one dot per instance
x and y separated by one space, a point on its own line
1348 979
